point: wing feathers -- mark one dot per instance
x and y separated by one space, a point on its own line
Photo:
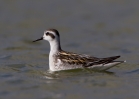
102 61
83 60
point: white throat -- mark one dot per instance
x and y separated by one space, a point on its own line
54 46
54 49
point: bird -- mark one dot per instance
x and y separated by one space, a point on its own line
63 60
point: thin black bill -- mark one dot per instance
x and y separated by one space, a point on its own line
38 39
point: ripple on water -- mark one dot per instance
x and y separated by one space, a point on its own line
5 57
17 48
17 67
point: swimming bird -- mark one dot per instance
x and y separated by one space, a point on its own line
63 60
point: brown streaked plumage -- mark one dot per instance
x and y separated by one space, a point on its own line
62 60
84 60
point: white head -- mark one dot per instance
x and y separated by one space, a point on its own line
53 37
51 34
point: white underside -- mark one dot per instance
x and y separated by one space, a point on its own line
65 66
58 65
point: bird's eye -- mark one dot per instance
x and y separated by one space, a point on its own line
47 33
50 34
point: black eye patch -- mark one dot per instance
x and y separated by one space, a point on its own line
51 35
47 33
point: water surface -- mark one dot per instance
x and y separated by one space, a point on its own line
100 28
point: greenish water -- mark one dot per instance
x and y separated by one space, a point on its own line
99 28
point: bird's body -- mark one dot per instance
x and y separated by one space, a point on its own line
63 60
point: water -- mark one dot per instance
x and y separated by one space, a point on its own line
101 28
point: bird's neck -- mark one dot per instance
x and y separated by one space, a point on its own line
55 46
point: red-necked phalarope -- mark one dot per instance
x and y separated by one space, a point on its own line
62 60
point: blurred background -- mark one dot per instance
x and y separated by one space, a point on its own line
101 28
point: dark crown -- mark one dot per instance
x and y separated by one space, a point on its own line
55 31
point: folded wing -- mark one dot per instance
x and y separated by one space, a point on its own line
84 60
